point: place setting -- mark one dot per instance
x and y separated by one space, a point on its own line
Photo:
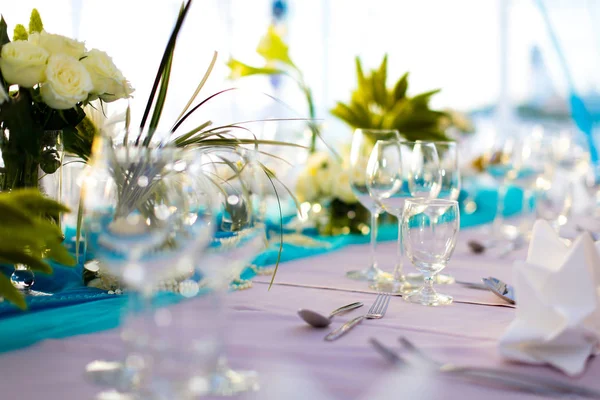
237 200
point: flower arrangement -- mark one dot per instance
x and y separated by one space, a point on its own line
326 197
46 80
278 62
373 105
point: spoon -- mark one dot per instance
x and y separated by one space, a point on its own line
317 320
500 289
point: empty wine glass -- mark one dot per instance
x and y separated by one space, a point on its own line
498 163
363 142
554 199
240 236
430 242
449 189
145 221
397 171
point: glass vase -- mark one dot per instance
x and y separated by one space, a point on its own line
23 170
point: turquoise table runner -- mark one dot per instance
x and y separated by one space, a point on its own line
75 309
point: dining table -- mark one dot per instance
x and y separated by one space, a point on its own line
294 361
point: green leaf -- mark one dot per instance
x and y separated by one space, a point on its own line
401 87
239 70
3 32
10 293
18 257
35 22
422 100
20 33
160 101
163 64
272 47
346 114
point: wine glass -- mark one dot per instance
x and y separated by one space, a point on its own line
498 163
430 230
145 219
363 142
398 170
449 189
239 237
554 199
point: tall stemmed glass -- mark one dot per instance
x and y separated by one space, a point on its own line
449 189
430 229
240 236
144 221
499 164
398 170
363 142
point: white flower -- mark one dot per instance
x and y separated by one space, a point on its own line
23 63
342 189
306 188
67 82
58 44
109 83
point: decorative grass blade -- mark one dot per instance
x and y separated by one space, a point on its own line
183 138
178 124
202 82
79 224
280 230
163 63
160 101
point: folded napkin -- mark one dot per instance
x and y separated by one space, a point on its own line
558 314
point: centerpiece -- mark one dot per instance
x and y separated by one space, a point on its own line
325 185
46 81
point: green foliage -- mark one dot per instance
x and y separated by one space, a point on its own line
20 33
35 22
28 238
375 106
278 62
3 32
272 48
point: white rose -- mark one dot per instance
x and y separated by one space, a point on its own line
67 82
109 83
306 189
342 189
23 63
58 44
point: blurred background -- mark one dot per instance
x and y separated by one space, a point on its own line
493 59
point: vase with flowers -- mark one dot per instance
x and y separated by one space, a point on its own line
46 80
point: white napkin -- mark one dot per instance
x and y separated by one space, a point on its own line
558 303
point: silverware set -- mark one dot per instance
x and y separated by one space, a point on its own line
377 311
494 377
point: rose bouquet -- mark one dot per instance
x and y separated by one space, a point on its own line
46 80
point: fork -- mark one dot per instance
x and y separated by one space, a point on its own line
376 311
516 379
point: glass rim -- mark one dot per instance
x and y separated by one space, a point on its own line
432 141
434 202
377 130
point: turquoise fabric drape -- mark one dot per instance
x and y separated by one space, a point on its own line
75 309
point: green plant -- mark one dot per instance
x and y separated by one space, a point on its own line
203 134
375 106
28 238
278 62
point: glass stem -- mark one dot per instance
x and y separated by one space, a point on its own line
428 291
399 268
374 222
